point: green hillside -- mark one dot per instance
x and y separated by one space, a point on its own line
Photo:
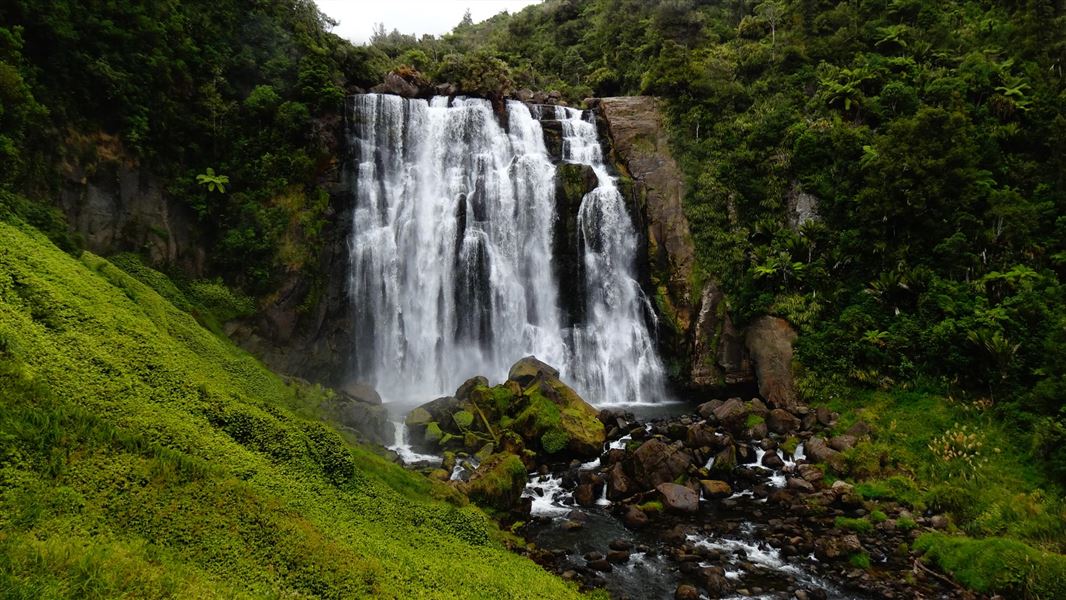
143 456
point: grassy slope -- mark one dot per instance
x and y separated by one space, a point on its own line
143 456
983 476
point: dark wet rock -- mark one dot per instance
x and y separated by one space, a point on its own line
771 460
634 518
463 393
397 85
585 495
800 485
618 556
810 473
823 416
725 460
714 582
706 409
620 544
700 435
818 451
859 430
600 565
782 422
713 488
834 547
686 592
656 462
678 498
619 484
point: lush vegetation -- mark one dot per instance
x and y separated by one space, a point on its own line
142 455
886 174
234 105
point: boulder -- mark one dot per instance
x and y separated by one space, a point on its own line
585 495
769 340
361 392
714 489
833 547
731 414
656 462
527 369
706 409
842 443
800 485
678 498
463 393
686 592
818 451
619 485
498 482
558 420
368 420
782 422
771 460
634 518
701 435
725 460
397 85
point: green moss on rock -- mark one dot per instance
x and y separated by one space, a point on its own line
498 482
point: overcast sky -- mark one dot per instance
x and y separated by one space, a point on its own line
357 17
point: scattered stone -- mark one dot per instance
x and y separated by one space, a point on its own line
782 422
842 443
620 544
800 485
818 451
634 518
656 462
678 497
686 592
618 556
771 460
832 547
713 488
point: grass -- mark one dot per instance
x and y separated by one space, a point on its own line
935 453
142 455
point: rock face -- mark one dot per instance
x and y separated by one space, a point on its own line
116 207
769 340
719 356
656 462
357 407
641 150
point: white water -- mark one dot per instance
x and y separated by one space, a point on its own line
549 501
402 447
451 254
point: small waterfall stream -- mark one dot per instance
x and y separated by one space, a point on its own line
452 251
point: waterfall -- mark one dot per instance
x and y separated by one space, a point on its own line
451 254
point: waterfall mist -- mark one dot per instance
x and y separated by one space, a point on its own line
452 248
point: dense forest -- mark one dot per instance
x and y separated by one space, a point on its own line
887 175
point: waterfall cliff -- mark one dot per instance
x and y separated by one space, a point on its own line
452 253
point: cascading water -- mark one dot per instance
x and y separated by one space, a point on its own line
451 254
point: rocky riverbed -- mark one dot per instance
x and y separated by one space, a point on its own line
730 498
730 501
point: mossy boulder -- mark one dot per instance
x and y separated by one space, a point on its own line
498 482
557 415
532 411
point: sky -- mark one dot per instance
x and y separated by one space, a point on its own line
358 17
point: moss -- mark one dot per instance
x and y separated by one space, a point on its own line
753 420
790 444
124 422
554 440
498 482
463 419
433 432
997 565
858 525
877 517
860 560
651 507
906 523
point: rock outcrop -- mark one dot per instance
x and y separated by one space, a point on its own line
769 340
641 150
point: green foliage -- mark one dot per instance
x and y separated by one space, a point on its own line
997 565
859 560
144 456
213 183
859 525
463 419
